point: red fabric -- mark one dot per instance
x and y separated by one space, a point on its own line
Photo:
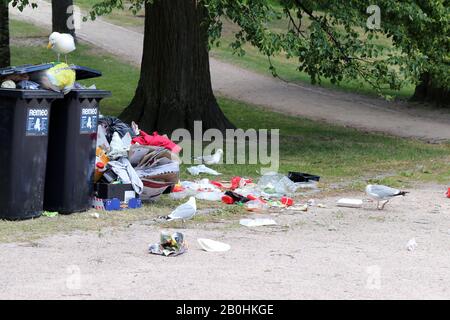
217 184
157 141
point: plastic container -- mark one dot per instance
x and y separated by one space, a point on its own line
24 127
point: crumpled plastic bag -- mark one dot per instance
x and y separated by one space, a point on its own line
195 171
127 174
60 78
276 184
113 124
117 148
169 245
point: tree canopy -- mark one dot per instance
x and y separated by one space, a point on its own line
333 39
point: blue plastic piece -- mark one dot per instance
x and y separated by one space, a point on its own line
112 204
134 203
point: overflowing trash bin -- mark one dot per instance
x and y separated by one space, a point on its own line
72 151
24 129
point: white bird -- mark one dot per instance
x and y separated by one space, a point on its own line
185 211
61 43
212 159
383 193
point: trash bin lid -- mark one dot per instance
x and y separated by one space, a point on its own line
26 68
82 73
30 94
90 93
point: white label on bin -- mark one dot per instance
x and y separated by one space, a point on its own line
37 122
88 120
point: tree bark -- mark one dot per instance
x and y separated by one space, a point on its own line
5 55
175 83
61 19
426 91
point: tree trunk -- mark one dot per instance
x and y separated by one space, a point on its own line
62 20
175 84
426 91
5 55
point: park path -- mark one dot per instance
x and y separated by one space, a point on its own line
348 109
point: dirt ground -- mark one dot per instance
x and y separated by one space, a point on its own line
326 253
312 102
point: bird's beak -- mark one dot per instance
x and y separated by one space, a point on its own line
50 45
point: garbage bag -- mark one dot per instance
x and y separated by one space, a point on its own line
60 78
113 124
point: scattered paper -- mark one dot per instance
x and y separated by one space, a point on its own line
350 203
213 246
411 245
257 222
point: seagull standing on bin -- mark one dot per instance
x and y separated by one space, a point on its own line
61 43
383 193
213 159
185 211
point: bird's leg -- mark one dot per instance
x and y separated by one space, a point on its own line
59 57
385 203
378 205
66 59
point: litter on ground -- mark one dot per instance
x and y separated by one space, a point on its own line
257 222
213 246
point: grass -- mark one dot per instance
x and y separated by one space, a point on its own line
345 158
122 17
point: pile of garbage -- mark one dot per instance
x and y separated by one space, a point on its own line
272 190
131 164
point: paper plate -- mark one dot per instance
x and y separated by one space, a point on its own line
213 246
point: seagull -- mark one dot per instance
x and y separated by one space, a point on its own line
214 159
61 43
184 212
383 193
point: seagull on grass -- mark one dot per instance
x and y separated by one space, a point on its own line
212 159
383 193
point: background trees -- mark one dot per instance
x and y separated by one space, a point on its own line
331 39
175 83
61 15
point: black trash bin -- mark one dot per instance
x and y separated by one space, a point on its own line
24 124
71 152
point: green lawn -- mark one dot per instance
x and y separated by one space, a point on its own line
122 17
331 151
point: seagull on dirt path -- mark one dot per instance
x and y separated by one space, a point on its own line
185 211
212 159
383 193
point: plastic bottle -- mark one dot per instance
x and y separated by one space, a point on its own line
100 168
